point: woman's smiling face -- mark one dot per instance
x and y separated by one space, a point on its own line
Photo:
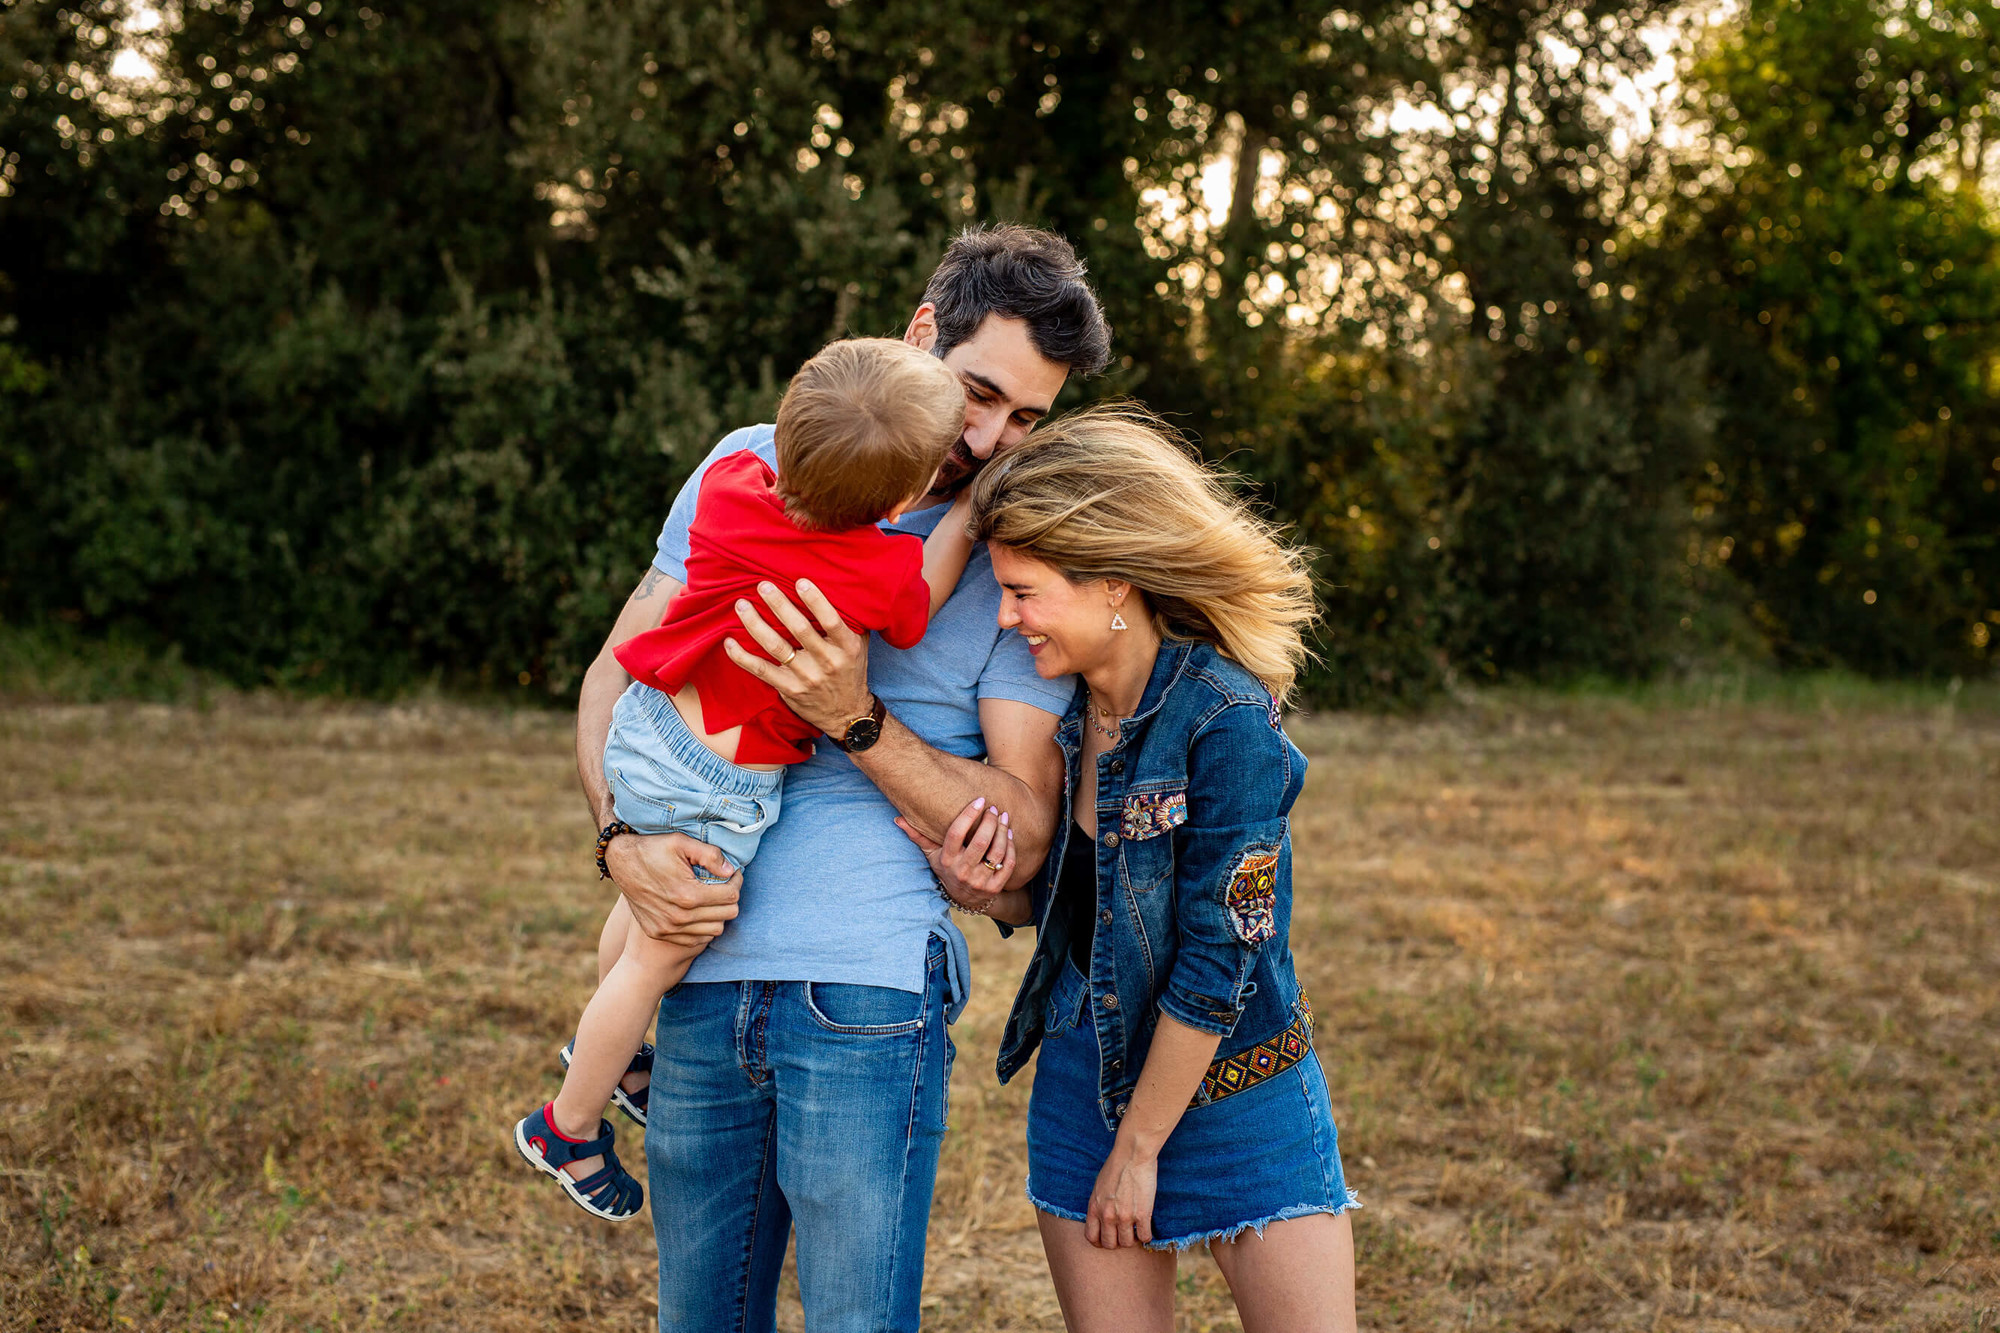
1067 625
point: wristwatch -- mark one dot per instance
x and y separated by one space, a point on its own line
863 732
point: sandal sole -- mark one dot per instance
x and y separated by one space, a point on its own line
576 1196
619 1097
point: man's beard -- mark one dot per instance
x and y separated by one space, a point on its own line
957 471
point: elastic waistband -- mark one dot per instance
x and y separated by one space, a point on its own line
705 764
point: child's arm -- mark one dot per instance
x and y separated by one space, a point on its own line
946 550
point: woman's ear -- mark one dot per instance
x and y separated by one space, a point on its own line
1117 590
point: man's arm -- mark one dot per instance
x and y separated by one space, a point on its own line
606 680
1021 778
826 683
652 872
975 864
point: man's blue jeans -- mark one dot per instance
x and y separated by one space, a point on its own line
782 1103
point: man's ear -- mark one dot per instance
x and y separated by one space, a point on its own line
923 331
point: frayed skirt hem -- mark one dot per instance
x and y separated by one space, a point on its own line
1222 1235
1044 1206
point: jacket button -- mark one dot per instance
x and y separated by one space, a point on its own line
1117 1064
1117 765
1111 840
1111 1002
1123 1107
1105 916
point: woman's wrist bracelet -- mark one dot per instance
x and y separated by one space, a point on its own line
604 837
956 905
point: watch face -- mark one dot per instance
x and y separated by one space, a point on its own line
861 733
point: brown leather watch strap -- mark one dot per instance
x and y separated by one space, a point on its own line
869 728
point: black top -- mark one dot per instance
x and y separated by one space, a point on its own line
1076 894
1192 921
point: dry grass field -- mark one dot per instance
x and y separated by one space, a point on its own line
1638 1015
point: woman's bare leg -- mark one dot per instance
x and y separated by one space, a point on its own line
1107 1291
1298 1277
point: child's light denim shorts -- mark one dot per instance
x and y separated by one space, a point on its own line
1239 1163
663 780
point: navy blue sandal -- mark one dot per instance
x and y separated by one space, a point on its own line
633 1104
609 1192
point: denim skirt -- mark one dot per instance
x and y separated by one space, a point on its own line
1242 1162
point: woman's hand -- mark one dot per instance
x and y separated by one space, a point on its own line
976 858
1121 1202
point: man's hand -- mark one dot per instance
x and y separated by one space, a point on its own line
654 872
825 679
976 858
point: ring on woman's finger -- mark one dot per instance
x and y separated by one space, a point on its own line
990 865
786 660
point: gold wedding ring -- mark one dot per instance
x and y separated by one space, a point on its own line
990 866
787 659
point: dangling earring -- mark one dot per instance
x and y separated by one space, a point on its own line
1117 621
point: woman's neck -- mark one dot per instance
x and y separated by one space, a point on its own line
1118 684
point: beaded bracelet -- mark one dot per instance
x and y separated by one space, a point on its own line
610 831
956 905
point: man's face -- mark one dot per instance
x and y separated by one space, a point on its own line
1009 386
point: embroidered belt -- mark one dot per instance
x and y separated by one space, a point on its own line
1264 1060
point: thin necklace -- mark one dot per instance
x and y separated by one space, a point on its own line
1099 717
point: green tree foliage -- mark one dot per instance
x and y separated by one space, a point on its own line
1834 248
364 342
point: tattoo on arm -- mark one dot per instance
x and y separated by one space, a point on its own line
647 584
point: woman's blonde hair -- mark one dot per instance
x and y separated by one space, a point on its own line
1112 492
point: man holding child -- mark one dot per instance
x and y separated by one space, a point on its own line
801 1068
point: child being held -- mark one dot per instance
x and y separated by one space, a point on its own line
698 745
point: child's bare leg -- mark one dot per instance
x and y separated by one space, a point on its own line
610 948
610 1032
611 940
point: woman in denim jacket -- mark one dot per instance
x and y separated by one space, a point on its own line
1177 1099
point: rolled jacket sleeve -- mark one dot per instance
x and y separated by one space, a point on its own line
1232 875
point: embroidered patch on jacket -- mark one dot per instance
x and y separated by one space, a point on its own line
1271 711
1150 815
1252 898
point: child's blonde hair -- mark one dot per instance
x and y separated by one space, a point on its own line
862 430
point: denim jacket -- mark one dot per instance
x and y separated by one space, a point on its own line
1194 873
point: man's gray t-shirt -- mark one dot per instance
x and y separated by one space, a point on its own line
836 893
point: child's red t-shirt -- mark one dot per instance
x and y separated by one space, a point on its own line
741 536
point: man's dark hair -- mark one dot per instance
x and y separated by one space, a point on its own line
1025 274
